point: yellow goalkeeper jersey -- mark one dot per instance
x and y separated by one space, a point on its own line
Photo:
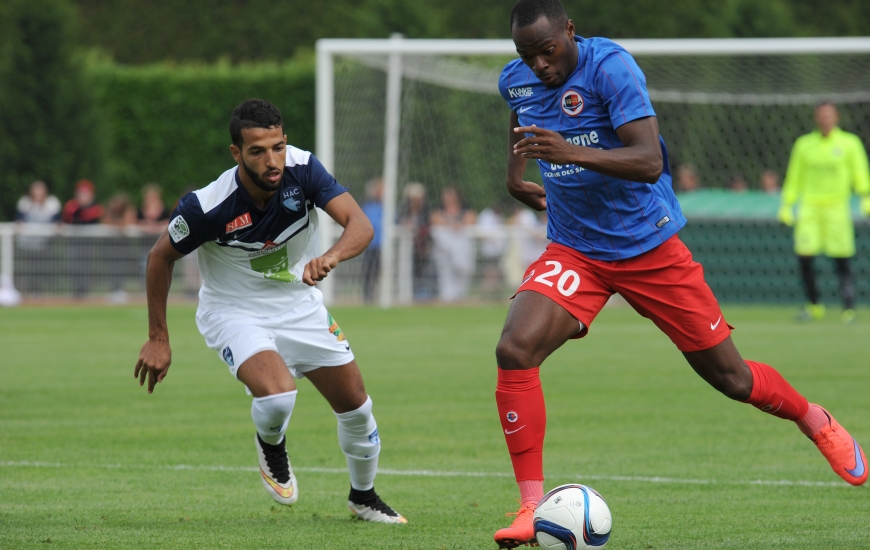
826 170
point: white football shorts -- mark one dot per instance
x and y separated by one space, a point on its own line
307 337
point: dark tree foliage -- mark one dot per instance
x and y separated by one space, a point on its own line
50 127
141 31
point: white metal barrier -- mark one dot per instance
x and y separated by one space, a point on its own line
98 262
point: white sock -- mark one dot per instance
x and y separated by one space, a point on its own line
271 415
358 438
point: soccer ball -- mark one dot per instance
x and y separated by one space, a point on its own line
572 517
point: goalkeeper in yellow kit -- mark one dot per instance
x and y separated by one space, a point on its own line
825 168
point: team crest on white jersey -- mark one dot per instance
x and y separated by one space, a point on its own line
572 103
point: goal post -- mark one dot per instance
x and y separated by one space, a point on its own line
409 110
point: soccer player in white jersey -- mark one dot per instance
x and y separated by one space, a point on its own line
255 232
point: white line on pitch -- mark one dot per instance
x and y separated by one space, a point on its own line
425 473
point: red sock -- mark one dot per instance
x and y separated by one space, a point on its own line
523 419
531 491
773 395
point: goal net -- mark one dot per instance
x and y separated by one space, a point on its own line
425 117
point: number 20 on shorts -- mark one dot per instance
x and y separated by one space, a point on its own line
568 282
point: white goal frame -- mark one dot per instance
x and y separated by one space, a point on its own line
397 46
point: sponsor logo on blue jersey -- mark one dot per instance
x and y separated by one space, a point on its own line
525 91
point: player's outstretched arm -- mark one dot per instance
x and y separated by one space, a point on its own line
529 193
357 235
639 159
156 355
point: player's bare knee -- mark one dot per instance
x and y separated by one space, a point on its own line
735 384
512 354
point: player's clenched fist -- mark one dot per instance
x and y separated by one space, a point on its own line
154 360
546 145
318 268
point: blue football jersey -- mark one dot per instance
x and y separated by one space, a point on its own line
603 217
252 259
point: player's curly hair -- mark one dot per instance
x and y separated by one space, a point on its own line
253 113
526 12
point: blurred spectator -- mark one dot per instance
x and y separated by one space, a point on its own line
82 208
373 208
492 248
769 182
687 179
120 253
453 246
33 262
120 212
414 218
37 206
738 184
528 243
152 215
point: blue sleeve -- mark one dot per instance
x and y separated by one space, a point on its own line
189 227
318 184
622 87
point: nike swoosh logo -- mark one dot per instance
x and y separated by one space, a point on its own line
282 491
514 431
524 109
712 326
859 464
347 347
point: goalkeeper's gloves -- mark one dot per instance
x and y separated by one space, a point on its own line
865 205
786 215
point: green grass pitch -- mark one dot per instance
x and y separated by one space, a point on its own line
88 460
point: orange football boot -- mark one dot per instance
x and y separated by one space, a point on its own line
521 531
842 451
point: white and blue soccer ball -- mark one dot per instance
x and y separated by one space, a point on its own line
572 517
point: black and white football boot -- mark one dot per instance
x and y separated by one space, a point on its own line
368 506
278 478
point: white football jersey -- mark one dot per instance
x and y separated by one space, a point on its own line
252 259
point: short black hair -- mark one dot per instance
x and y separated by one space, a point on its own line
526 12
253 113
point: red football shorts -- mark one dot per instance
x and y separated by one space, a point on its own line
664 285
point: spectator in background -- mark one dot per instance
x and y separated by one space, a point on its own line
453 246
687 179
492 248
528 244
152 216
38 206
33 264
120 253
414 218
120 212
738 184
82 209
769 182
373 208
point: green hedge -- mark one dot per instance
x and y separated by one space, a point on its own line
168 124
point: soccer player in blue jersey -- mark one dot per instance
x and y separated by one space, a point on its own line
255 233
580 108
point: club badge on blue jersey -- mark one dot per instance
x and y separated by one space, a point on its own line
289 200
572 103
